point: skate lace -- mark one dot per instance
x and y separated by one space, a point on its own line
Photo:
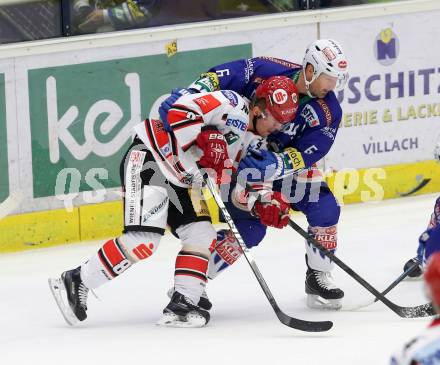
83 293
189 302
204 294
325 280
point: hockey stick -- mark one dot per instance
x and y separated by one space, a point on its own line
292 322
424 310
390 287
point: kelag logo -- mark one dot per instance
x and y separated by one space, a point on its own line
386 47
82 115
4 181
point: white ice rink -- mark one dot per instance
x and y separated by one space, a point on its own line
374 239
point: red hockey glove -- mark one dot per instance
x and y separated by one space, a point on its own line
273 210
214 147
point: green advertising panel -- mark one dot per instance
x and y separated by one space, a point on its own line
4 180
82 115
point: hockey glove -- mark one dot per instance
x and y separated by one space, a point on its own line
261 165
272 209
214 149
170 100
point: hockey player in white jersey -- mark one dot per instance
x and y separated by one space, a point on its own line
295 150
157 174
425 348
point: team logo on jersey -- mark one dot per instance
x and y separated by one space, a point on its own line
231 137
207 103
231 96
310 116
329 54
208 81
237 123
249 70
279 96
386 47
294 159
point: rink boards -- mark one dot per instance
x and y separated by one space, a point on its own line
67 108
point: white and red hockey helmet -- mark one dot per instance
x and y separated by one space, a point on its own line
282 98
326 56
432 277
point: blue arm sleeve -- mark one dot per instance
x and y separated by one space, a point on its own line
243 76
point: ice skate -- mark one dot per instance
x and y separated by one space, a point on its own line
204 301
322 293
181 312
70 294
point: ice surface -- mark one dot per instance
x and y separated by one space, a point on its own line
375 240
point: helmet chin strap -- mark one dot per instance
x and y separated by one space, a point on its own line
307 83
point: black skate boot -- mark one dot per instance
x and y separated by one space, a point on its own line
322 293
70 293
417 271
203 303
182 312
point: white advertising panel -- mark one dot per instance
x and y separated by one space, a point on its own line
392 101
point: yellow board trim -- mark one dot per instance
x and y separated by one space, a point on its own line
39 229
388 182
101 221
57 227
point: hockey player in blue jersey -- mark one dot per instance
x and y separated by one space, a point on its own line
293 152
429 240
424 349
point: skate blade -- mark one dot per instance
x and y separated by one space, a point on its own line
414 278
317 302
173 320
58 291
204 302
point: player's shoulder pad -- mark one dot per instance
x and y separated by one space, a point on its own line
206 102
233 98
227 102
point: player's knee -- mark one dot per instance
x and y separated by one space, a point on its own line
252 231
198 237
325 236
139 245
325 213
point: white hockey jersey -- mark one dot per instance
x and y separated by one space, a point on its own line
174 147
421 350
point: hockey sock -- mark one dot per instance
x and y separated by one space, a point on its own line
326 237
226 252
190 274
